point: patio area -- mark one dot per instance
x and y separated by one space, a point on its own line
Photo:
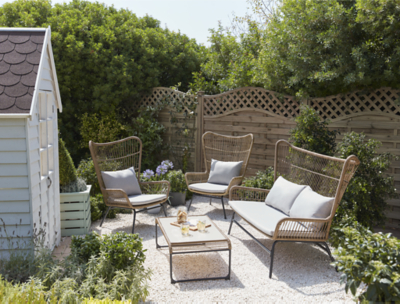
302 272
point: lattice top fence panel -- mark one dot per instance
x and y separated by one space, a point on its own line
384 100
251 98
159 93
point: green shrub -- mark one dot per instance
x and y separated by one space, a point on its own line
369 258
31 292
369 189
97 208
76 186
312 133
122 249
67 169
86 247
101 129
87 172
177 181
263 179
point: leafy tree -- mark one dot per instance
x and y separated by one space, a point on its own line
105 58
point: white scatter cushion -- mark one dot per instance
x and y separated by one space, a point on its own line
222 172
310 204
122 179
144 199
209 188
283 194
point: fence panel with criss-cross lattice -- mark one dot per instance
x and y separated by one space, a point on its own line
270 115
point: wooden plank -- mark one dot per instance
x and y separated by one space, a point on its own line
14 182
262 130
13 144
34 132
45 85
366 124
13 158
12 122
46 74
13 207
16 232
16 218
12 132
252 119
13 170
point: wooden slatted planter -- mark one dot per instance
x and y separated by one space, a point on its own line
75 212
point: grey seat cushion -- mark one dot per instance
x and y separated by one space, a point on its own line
283 194
310 204
144 199
262 216
222 172
122 179
208 187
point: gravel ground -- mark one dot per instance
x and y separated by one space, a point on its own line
302 273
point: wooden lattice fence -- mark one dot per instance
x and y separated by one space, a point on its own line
270 116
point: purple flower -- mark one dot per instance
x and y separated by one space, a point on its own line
167 163
147 174
161 169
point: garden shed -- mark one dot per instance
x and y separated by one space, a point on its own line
29 100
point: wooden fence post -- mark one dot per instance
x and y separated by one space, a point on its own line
199 130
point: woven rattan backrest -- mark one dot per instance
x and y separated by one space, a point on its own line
116 155
227 148
328 176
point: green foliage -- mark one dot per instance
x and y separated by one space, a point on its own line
177 181
31 292
369 189
105 57
76 186
97 208
369 258
262 180
122 249
150 131
86 247
101 129
67 168
312 133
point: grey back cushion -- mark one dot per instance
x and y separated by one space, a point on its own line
122 179
283 194
222 172
310 204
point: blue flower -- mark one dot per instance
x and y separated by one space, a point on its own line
167 163
147 174
161 169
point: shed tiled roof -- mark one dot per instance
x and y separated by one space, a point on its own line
20 53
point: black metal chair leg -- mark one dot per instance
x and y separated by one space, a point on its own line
223 206
210 201
325 247
165 212
105 215
190 202
272 259
230 226
134 218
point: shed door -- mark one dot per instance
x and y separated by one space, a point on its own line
48 138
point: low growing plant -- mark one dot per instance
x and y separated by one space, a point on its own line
87 246
263 179
177 181
369 258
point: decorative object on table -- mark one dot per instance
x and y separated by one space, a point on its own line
212 241
160 175
291 211
181 215
185 228
126 157
192 224
225 159
177 195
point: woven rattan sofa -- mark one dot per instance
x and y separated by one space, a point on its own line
327 176
124 154
225 149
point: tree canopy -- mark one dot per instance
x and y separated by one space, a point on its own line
105 58
310 48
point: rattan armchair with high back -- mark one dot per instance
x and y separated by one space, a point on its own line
120 155
221 148
327 176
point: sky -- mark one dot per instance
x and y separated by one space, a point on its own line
191 17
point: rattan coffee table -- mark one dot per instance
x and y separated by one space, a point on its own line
212 240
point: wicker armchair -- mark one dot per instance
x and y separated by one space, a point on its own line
120 155
222 148
328 176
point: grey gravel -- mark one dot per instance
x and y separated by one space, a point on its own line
302 272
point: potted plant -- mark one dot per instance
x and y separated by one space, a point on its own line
74 197
177 194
